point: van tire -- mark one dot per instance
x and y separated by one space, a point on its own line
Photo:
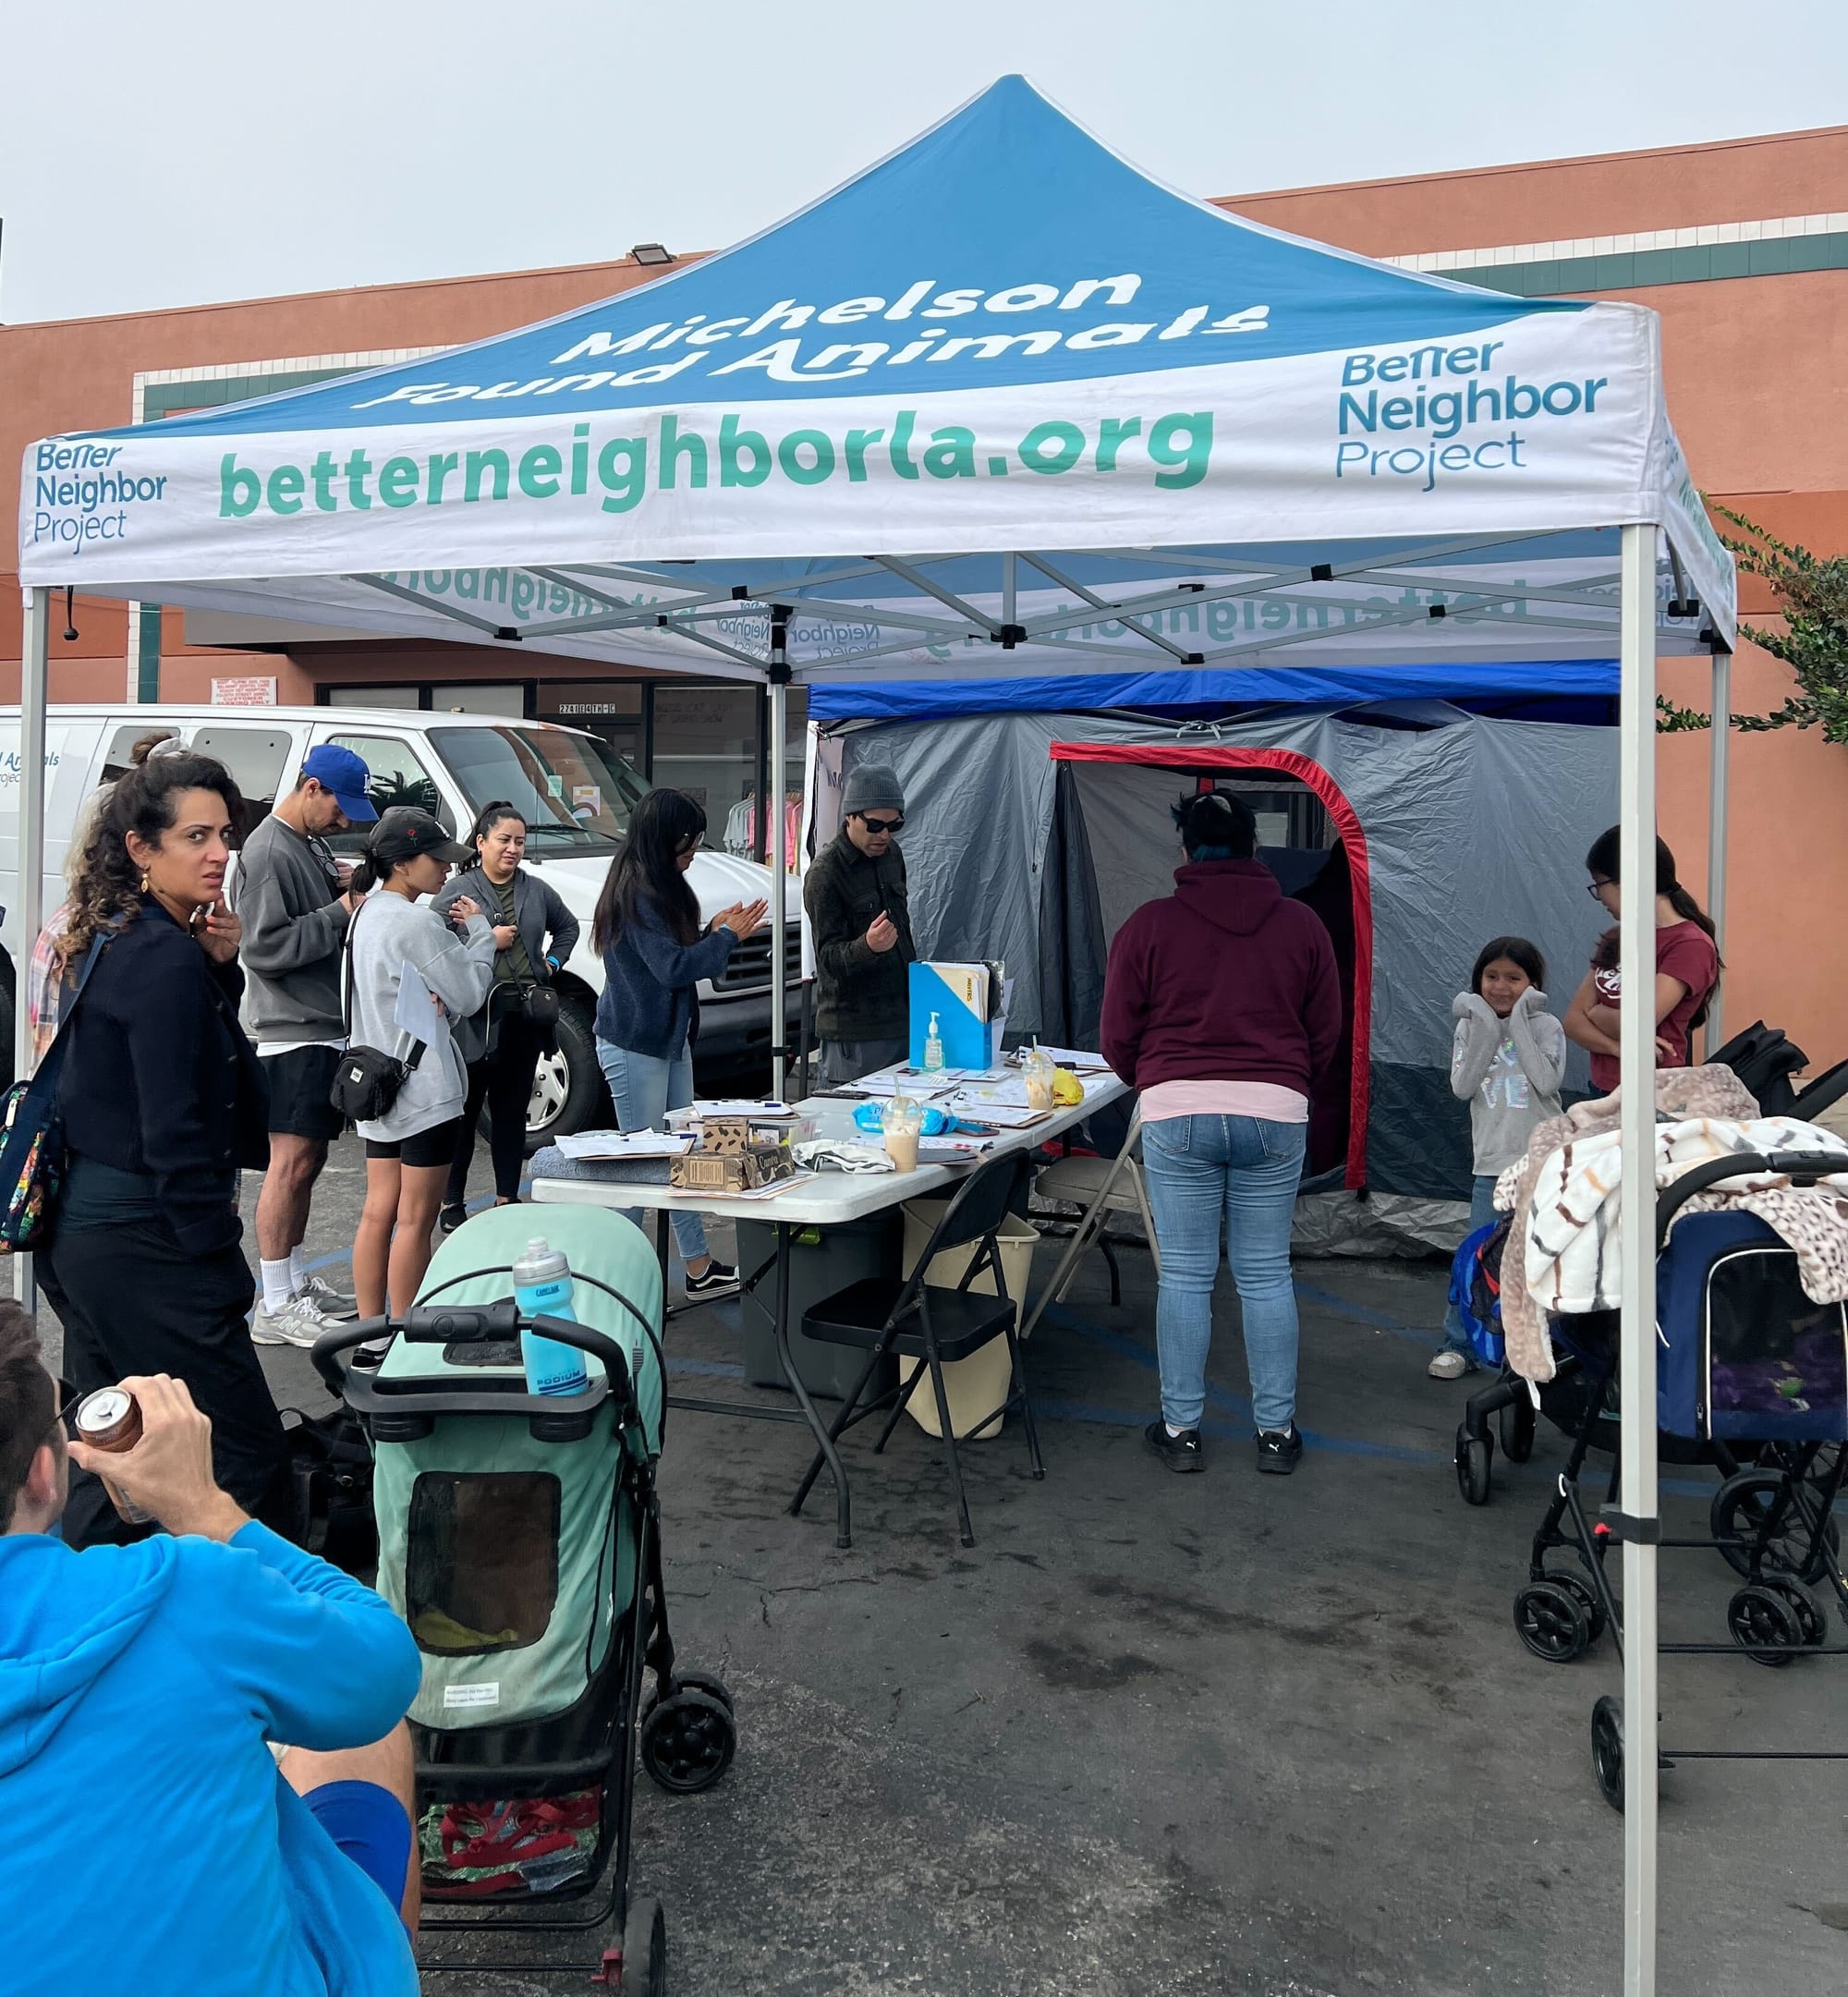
568 1092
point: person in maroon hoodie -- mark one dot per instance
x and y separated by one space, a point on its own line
1222 1007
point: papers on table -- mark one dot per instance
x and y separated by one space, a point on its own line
951 1150
758 1110
923 1084
985 1108
1075 1059
618 1144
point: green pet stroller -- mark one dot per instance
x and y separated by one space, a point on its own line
519 1539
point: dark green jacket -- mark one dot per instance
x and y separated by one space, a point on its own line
861 994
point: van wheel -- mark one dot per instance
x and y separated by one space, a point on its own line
568 1091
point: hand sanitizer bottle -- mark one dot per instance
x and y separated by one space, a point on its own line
933 1048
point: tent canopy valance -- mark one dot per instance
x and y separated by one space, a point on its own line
999 405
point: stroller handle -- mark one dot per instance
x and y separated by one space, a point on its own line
1804 1168
471 1324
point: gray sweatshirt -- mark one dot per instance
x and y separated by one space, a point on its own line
288 899
387 933
1508 1071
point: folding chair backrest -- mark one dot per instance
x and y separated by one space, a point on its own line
1823 1092
981 1203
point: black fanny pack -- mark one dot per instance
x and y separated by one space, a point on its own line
368 1082
539 1005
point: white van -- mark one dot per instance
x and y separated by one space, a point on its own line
575 793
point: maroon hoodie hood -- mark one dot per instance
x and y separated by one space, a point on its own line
1237 895
1223 980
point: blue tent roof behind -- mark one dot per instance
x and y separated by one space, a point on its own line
1006 221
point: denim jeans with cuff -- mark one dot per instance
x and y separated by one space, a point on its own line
644 1088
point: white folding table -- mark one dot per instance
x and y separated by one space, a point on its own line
823 1199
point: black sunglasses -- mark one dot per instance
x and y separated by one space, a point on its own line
881 827
1596 888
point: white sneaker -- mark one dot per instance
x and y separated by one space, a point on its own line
299 1323
337 1306
1447 1366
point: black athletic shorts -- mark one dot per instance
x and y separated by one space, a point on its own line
299 1083
435 1147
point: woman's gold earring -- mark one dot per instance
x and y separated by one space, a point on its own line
144 883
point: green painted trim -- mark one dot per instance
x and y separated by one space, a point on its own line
162 399
148 664
1775 256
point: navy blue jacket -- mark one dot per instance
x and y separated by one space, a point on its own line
648 1003
160 1080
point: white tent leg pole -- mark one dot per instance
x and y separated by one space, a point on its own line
779 877
1719 754
1636 816
33 675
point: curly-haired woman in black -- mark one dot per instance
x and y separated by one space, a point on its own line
162 1103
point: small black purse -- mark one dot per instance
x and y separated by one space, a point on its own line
367 1080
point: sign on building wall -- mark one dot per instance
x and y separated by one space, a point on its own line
248 690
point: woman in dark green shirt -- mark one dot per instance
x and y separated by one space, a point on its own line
534 933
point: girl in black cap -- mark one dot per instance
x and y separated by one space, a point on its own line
394 939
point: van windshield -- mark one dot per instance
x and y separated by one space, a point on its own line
574 795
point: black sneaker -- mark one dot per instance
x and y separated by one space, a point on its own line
450 1219
1278 1450
720 1280
1181 1453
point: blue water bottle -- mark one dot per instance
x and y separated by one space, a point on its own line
542 1288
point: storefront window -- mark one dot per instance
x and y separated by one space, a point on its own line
705 743
609 709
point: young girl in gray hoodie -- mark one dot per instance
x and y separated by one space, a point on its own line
1506 1063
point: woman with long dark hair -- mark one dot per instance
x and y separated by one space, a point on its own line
161 1103
534 933
1687 966
409 1149
655 950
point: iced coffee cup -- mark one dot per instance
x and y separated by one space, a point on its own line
901 1123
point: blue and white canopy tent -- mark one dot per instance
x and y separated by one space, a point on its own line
1001 407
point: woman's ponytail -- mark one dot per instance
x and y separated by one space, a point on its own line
366 876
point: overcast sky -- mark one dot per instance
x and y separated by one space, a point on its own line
197 150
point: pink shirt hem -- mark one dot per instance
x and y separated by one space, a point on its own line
1269 1101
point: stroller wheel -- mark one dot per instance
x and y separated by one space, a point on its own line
1606 1749
1551 1622
1802 1606
1587 1597
687 1741
695 1681
644 1951
1764 1625
1516 1424
1474 1455
1739 1508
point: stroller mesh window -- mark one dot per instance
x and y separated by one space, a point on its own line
481 1560
1770 1350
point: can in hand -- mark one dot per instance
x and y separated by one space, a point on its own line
110 1419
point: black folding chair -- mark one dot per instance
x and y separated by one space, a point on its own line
915 1319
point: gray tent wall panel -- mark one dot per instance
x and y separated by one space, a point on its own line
1471 830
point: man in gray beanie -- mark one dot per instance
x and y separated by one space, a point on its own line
859 921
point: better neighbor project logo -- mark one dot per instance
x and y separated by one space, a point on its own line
1424 414
80 495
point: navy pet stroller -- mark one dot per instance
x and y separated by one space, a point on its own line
519 1538
1752 1380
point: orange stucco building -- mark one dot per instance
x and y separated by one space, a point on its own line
1742 248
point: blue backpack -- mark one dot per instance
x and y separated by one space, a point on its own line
31 1138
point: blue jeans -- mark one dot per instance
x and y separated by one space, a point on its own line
1481 1212
644 1088
1242 1173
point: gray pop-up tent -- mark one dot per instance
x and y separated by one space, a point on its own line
1417 831
996 406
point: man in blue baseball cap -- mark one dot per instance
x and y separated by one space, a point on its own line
291 895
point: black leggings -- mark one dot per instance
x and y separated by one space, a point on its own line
501 1079
132 1300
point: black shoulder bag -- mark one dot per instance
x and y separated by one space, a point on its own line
367 1082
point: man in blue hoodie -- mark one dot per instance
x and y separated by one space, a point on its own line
141 1688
